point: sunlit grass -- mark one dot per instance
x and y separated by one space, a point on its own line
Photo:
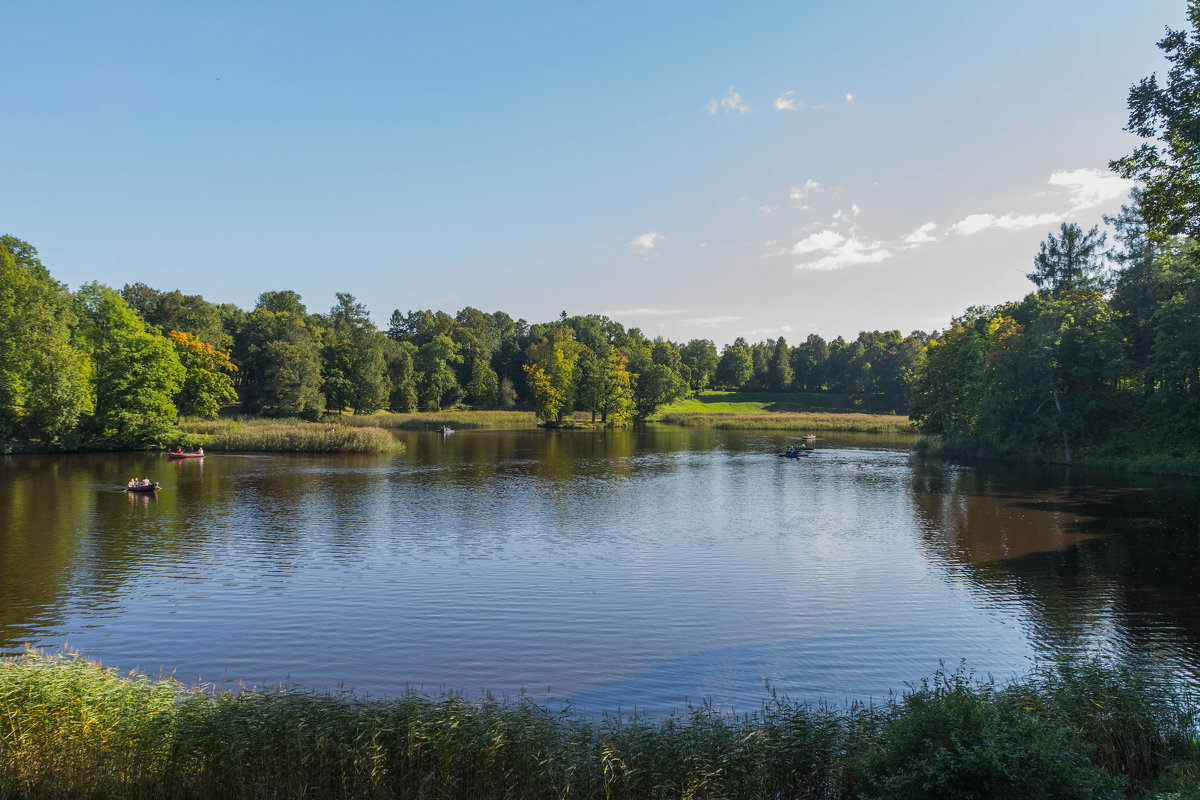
792 422
70 728
288 436
713 401
432 420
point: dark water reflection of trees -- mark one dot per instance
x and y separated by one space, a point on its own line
1093 556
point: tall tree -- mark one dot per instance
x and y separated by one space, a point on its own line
137 372
1167 116
779 369
1073 261
736 365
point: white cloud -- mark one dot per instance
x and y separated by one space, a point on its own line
797 193
818 242
975 223
702 244
644 312
1090 187
849 99
854 209
922 234
838 251
732 101
764 331
788 102
709 322
645 243
765 208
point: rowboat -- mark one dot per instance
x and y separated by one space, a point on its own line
185 455
151 488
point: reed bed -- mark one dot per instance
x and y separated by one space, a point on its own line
289 436
431 420
71 728
792 422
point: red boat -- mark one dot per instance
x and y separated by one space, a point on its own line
185 455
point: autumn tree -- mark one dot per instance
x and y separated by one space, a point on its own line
207 378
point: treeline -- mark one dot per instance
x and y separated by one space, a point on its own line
105 368
1104 355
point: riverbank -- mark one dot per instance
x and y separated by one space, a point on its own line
72 728
285 436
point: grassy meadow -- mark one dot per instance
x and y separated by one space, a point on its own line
798 412
71 728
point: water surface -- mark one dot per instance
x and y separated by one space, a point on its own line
648 567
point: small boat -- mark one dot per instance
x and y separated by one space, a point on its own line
808 437
445 429
185 455
153 487
796 453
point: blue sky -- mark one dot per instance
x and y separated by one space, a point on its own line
698 170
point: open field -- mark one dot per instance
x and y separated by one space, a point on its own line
69 727
760 403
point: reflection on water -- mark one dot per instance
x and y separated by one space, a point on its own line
609 569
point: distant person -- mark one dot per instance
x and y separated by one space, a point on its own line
199 451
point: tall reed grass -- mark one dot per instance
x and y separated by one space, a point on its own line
289 436
70 728
785 421
431 420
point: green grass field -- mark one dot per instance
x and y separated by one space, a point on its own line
710 402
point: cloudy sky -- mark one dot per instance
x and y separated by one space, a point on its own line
696 169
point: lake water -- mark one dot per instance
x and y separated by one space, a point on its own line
646 568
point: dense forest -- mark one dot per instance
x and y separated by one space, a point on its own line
1104 356
102 367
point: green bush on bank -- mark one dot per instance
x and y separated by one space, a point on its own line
69 727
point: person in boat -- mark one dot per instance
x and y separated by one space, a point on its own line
132 483
791 450
144 482
199 451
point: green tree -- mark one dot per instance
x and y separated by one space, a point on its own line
137 373
41 370
280 365
736 365
438 382
1070 262
1167 164
700 356
779 369
353 363
400 357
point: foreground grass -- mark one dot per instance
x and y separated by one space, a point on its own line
69 727
287 436
795 422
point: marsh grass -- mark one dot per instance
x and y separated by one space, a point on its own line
288 436
70 728
794 422
431 420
